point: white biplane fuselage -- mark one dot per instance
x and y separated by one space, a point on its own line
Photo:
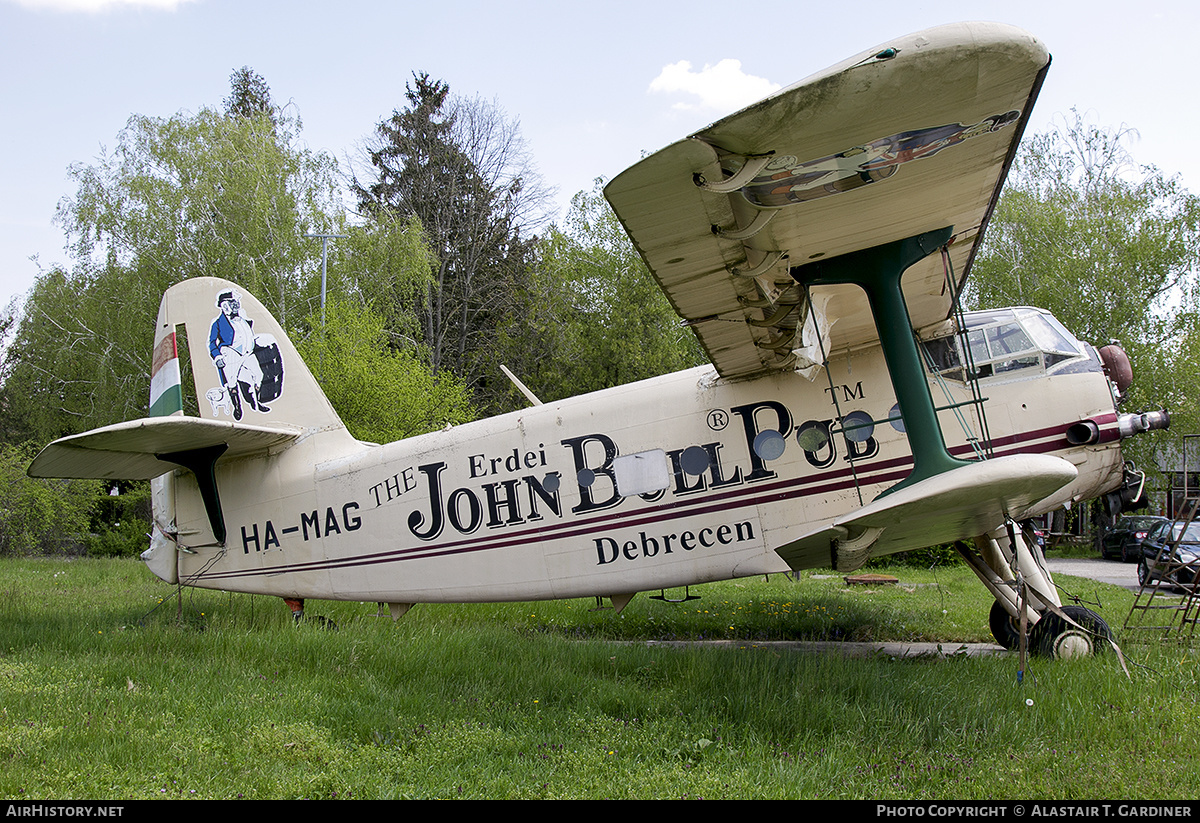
673 481
822 435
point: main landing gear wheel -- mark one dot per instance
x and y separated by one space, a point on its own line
1058 639
1004 626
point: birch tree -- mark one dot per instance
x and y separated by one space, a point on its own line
1112 249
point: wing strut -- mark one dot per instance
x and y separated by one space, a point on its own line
878 271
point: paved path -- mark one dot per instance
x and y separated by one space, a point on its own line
1105 571
892 650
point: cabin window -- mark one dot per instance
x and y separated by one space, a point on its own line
858 426
769 445
1009 343
695 460
813 435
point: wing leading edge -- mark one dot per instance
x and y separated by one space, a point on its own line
912 136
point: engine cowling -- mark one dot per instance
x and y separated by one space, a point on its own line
1116 366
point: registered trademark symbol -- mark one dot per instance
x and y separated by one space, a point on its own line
717 420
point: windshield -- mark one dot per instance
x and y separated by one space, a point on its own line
1139 522
1192 535
1010 342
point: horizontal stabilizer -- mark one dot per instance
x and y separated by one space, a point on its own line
130 451
959 504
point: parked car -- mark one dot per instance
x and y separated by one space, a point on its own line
1180 553
1124 540
1039 534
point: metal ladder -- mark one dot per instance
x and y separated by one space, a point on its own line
1153 610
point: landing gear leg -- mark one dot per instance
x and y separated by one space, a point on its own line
1012 567
296 604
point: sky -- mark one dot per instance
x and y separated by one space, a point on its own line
594 86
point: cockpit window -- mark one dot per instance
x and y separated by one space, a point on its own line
1008 339
1010 342
1050 336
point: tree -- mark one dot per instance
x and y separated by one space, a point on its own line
593 315
228 195
460 167
79 357
1110 247
205 194
233 195
1112 250
382 393
385 266
41 516
249 95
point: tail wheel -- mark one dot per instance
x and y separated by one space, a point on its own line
1058 639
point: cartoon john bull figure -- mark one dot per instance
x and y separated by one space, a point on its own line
250 366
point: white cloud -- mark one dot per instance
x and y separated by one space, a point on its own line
723 88
97 6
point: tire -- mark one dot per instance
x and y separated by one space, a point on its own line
1059 640
1004 627
1186 577
1125 557
1143 572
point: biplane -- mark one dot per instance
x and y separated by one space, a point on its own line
816 243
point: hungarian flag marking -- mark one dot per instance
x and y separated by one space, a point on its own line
166 393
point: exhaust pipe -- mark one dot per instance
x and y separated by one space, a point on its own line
1130 424
1086 432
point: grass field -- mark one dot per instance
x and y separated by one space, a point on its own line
114 687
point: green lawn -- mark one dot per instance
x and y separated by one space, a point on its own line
111 687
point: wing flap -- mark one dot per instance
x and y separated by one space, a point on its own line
129 451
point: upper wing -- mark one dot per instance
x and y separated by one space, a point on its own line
910 137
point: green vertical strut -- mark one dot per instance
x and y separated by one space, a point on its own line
878 271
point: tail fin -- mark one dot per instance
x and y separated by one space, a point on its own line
245 369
